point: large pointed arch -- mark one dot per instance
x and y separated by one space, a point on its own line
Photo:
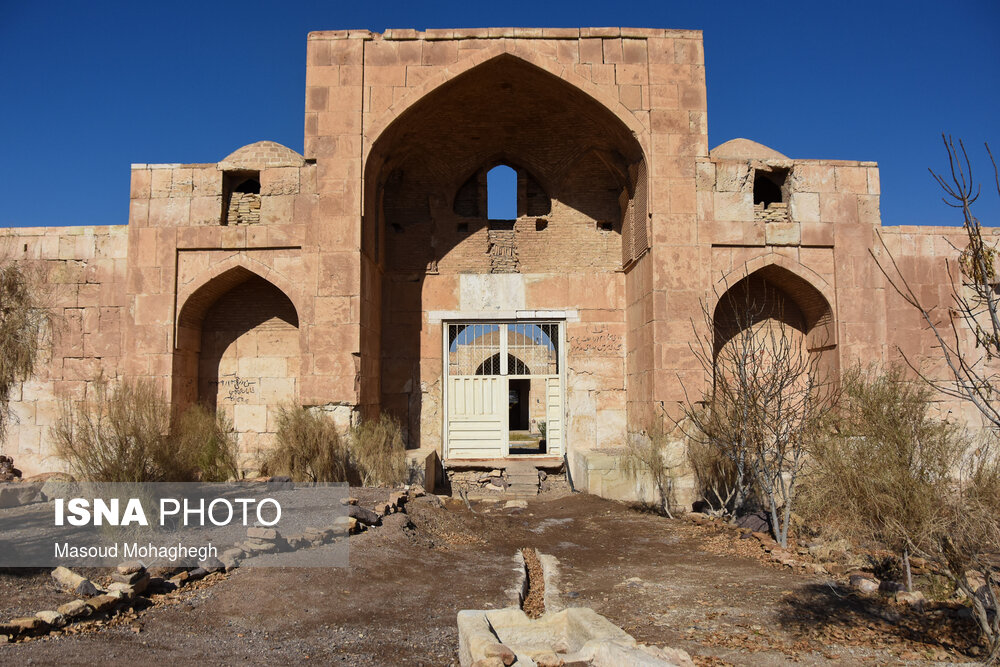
503 49
459 123
586 152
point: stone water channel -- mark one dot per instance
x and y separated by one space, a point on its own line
537 630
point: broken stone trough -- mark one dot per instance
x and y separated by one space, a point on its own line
559 636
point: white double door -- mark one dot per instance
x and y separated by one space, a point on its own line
489 366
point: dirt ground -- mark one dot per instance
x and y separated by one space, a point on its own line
668 583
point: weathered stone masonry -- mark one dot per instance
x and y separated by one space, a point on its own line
273 277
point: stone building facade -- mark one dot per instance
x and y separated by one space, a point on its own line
346 277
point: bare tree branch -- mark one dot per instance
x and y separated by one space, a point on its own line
765 399
969 341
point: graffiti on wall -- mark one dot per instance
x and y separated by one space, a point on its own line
234 389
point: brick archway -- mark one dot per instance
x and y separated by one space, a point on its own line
805 287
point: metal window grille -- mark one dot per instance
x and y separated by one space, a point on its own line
518 349
473 349
534 346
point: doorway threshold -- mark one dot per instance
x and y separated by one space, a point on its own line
537 460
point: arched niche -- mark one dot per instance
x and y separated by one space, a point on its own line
775 302
237 351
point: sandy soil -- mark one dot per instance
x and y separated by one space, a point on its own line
668 583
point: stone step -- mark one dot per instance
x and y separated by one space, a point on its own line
523 479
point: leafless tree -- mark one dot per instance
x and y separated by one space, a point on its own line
969 342
765 399
970 338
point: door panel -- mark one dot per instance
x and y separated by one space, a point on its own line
553 416
477 414
484 360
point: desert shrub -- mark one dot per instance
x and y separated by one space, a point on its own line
308 448
118 435
715 475
122 433
889 473
377 451
883 469
204 445
885 566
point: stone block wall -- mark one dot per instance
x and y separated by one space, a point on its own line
232 313
926 260
821 232
82 272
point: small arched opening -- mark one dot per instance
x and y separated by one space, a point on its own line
501 193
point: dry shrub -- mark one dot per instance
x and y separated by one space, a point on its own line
117 435
122 434
308 448
204 445
377 452
891 474
969 552
881 471
24 324
715 475
968 340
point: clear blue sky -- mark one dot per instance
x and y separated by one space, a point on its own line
87 88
